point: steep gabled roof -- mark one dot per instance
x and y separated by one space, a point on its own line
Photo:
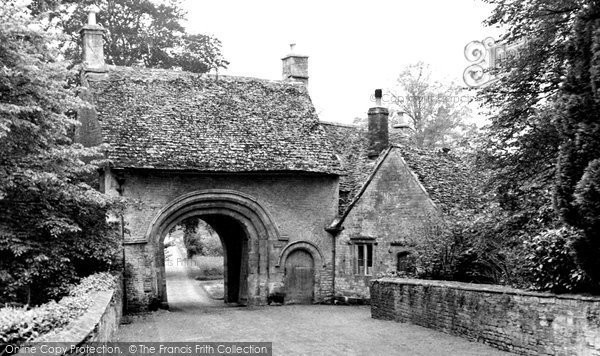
166 119
447 180
350 144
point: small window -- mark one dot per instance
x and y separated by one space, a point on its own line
405 262
363 258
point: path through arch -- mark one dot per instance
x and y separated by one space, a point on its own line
244 227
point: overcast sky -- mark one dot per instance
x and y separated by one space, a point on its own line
354 47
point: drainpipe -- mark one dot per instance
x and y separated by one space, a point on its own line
334 230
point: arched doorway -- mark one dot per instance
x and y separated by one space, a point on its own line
299 277
189 258
244 228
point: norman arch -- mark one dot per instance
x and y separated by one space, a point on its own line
244 227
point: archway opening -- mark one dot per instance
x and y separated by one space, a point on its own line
206 260
244 228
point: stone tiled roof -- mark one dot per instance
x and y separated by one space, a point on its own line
447 179
179 120
350 144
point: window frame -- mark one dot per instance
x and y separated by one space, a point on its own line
363 266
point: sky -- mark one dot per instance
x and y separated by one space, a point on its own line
354 47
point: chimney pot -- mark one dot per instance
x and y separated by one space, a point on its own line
378 95
92 11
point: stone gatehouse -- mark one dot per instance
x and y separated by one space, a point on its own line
304 209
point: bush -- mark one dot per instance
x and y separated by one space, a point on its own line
551 261
200 239
20 325
193 244
212 245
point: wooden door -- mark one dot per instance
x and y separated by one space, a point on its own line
299 278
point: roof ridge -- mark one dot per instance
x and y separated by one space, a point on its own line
182 73
333 123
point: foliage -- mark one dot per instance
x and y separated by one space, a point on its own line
435 110
522 143
577 118
53 226
19 325
140 32
551 262
468 248
93 283
208 267
544 129
200 239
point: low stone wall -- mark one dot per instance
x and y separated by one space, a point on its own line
523 322
99 324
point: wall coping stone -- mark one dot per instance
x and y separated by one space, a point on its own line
78 330
489 288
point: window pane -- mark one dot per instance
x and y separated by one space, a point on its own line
369 255
361 255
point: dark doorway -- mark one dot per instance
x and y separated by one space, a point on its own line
235 248
299 277
211 251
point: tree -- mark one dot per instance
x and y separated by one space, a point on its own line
543 139
522 142
139 32
577 193
53 225
200 239
521 145
435 110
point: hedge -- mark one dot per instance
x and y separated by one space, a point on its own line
20 325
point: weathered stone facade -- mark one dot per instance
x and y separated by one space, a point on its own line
526 323
277 213
247 156
392 213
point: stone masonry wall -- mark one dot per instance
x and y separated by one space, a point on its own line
394 213
98 324
523 322
301 206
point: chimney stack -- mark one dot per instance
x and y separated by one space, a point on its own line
92 36
378 135
295 66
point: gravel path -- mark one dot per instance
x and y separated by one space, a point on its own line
293 329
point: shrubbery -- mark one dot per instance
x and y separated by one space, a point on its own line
200 239
53 220
19 325
551 261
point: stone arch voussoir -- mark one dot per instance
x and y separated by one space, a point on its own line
302 245
237 205
242 207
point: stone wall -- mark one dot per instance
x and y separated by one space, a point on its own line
300 207
98 324
523 322
393 213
